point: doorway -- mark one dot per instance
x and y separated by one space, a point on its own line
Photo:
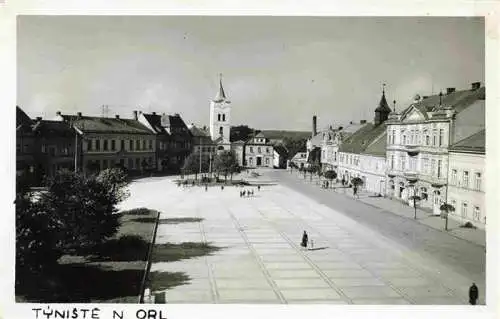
259 161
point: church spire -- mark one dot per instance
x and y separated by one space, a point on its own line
383 109
221 95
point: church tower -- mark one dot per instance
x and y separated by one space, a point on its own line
220 117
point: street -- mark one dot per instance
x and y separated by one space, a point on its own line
361 254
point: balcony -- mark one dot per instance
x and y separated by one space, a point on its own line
437 182
412 150
391 173
411 176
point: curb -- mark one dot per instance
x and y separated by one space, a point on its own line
147 267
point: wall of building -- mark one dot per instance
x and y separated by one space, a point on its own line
466 188
255 151
469 121
371 169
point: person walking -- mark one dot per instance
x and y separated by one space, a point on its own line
206 187
355 191
258 187
473 294
305 239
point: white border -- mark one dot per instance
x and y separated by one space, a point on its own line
9 9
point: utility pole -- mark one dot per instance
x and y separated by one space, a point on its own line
200 148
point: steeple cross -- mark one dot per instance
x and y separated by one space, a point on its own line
383 88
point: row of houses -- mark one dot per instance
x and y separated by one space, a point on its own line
433 148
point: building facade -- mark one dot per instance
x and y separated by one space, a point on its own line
25 146
220 119
112 142
258 152
418 140
466 180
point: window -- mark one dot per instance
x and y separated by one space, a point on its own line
89 146
465 179
113 145
433 167
138 145
251 149
477 213
250 160
267 150
392 161
150 144
104 164
218 117
403 163
427 140
221 130
144 144
434 137
137 163
393 136
441 137
258 150
425 165
130 163
25 148
97 145
477 181
267 161
419 140
404 139
105 145
122 145
453 177
439 168
464 209
223 117
453 203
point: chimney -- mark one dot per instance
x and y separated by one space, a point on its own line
79 115
58 113
450 90
117 116
135 115
476 85
362 122
154 113
314 126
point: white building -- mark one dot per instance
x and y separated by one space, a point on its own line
220 119
299 159
466 181
362 154
258 152
418 140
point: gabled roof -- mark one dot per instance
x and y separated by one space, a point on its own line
93 124
475 143
239 142
53 128
200 135
155 121
359 141
281 150
22 119
378 146
458 100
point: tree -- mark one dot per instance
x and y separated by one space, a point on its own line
356 182
415 198
330 175
445 210
86 205
294 145
226 163
192 164
240 132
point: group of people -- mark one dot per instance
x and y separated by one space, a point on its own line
248 193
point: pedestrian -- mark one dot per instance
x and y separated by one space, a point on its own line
304 240
473 294
241 193
206 187
258 187
222 187
327 184
355 191
244 192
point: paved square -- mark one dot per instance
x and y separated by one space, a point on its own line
260 259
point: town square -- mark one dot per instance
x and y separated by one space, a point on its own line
251 160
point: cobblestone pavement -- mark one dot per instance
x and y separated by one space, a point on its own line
352 262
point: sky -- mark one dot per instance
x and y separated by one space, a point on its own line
277 71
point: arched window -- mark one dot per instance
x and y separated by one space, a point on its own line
221 130
218 117
223 117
